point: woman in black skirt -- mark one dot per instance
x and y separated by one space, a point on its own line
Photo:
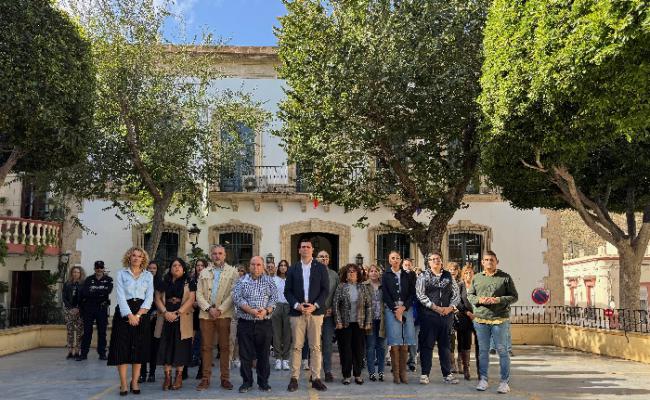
175 302
131 335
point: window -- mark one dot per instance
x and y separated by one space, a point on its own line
387 242
466 248
167 249
244 164
239 247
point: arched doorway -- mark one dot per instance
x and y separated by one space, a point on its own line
322 241
328 234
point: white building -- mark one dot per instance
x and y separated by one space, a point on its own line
262 210
593 280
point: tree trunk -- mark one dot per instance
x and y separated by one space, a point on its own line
9 164
630 260
158 223
427 237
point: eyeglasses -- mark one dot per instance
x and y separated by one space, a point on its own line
434 259
323 256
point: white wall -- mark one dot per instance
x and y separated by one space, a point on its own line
516 234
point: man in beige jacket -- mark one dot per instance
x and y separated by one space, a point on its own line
214 297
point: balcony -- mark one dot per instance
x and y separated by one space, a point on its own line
263 179
23 235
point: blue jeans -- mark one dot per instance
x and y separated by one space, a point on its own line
327 334
508 342
499 333
375 349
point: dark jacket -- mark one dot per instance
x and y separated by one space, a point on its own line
319 287
392 293
463 321
95 291
71 294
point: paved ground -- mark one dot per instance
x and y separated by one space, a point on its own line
537 373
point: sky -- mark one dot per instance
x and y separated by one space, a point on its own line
238 22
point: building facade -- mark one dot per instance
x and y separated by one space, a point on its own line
262 208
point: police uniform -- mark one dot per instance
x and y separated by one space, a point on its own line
95 303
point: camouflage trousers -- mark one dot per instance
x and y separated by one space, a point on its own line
75 327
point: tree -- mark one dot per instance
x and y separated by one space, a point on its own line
47 87
380 106
163 134
565 92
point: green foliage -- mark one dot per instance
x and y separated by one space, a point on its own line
47 87
565 84
162 133
380 106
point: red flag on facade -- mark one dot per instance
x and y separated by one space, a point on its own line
315 202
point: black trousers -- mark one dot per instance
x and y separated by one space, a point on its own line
352 345
150 365
254 339
434 328
92 314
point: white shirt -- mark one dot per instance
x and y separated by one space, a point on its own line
279 283
306 273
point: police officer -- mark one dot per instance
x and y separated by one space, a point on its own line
94 303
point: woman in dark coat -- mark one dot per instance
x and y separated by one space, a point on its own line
463 321
175 301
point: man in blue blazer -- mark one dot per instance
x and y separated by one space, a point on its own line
306 289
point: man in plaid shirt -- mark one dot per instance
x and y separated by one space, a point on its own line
254 297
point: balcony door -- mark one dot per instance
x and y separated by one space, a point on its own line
241 164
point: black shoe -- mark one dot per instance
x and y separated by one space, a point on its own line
69 356
141 379
103 357
199 373
244 388
318 385
134 391
80 358
265 388
152 378
358 380
329 377
493 351
184 374
373 377
412 367
124 393
381 377
293 385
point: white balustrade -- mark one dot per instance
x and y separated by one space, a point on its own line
25 232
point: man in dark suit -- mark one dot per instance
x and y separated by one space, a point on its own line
306 290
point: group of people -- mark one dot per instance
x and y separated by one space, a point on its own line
298 311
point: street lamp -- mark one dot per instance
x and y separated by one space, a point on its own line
193 233
359 259
270 258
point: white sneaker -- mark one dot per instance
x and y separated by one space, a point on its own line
450 379
285 365
424 380
278 365
482 385
503 388
305 365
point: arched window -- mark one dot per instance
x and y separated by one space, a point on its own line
387 242
239 247
466 248
167 248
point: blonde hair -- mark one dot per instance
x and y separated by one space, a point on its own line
467 268
126 260
82 273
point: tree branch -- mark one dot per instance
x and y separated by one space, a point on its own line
565 182
134 152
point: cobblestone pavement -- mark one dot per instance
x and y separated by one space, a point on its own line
538 373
